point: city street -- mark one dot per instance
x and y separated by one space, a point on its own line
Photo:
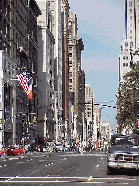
61 169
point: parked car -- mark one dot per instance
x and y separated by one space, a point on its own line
3 152
123 153
14 151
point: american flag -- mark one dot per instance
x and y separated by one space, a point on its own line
23 81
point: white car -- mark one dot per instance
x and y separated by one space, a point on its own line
59 148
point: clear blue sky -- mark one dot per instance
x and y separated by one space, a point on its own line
101 26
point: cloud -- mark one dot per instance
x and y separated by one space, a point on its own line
95 64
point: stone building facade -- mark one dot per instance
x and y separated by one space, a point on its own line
65 68
17 55
55 7
130 42
46 72
76 79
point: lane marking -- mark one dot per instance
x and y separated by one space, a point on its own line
64 177
82 155
55 181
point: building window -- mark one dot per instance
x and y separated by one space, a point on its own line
130 4
125 64
126 50
70 74
125 57
130 10
70 48
70 54
70 80
130 31
131 37
70 87
130 24
70 61
131 44
126 44
130 17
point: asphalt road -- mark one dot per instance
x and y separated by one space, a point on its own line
61 169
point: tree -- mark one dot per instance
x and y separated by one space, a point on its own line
128 95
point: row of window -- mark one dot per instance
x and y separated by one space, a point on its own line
126 44
125 64
125 57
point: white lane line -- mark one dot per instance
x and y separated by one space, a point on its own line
61 177
90 178
11 181
57 181
85 155
97 165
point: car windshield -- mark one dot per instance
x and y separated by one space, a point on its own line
125 141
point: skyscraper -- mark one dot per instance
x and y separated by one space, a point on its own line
130 42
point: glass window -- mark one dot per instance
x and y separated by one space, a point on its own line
125 57
70 80
130 3
131 44
130 17
126 44
130 10
130 31
123 64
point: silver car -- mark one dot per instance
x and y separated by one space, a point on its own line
123 153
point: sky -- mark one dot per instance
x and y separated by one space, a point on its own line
101 27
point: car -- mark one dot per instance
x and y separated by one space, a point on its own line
14 151
3 152
59 147
123 153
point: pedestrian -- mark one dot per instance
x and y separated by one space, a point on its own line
32 147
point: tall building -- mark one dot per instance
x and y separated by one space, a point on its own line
89 110
76 80
55 7
46 72
65 67
16 56
130 42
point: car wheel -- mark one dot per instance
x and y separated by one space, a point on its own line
109 170
4 154
19 154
